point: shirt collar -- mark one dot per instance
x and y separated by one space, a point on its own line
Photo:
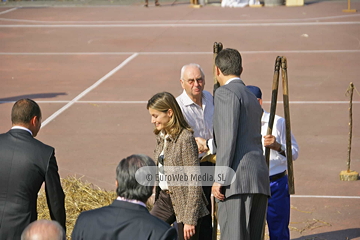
232 79
131 201
265 117
23 128
186 99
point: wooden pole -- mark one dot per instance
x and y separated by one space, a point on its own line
351 92
274 95
350 125
349 175
288 127
217 47
283 62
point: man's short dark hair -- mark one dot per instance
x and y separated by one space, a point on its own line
24 110
128 187
229 62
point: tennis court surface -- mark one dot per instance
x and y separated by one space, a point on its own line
92 70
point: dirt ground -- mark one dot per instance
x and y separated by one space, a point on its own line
92 69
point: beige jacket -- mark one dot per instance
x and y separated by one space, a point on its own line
189 202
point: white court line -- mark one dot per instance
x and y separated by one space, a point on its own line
68 53
142 102
317 196
97 83
1 102
10 10
182 21
181 25
106 102
315 102
169 53
256 52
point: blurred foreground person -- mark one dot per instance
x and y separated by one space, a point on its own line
127 217
43 230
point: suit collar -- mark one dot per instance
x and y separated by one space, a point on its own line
232 79
21 130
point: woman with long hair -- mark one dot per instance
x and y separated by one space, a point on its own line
175 147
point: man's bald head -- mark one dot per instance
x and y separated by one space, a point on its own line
43 230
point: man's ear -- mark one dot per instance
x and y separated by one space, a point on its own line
217 71
116 184
182 83
241 70
33 120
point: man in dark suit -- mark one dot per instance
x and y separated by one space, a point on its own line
127 217
25 163
237 124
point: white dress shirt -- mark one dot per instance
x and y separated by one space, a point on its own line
162 182
278 163
199 117
232 79
23 128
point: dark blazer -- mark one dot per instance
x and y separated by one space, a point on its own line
121 220
237 126
25 163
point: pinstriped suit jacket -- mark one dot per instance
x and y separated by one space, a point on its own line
237 127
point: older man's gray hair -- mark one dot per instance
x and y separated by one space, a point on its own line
191 65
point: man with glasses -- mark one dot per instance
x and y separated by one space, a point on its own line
198 108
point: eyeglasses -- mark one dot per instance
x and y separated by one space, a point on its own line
192 81
161 159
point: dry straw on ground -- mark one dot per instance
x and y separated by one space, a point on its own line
79 196
82 196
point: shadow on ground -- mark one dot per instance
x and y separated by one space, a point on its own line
346 234
31 96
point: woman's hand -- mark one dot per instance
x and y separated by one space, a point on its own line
189 231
